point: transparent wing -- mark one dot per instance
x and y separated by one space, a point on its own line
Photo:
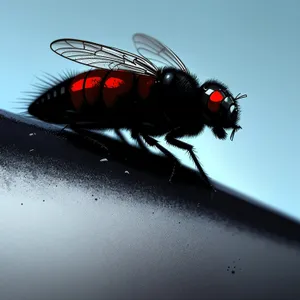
154 50
101 56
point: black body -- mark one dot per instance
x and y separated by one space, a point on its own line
177 105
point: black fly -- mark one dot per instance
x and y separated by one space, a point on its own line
128 91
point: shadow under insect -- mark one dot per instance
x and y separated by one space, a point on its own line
147 171
135 157
187 186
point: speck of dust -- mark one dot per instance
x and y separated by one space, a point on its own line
233 269
96 199
21 203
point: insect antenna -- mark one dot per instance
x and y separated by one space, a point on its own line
240 96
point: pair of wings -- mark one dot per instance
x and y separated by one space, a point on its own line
105 57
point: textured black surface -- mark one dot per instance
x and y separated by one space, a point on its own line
171 241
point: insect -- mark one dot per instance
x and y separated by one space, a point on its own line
128 91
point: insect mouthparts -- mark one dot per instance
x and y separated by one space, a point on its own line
234 130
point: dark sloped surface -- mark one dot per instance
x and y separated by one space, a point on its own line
222 248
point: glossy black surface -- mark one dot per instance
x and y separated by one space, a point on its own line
75 227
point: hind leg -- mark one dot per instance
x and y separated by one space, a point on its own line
87 135
139 137
154 143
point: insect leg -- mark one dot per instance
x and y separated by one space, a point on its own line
136 136
62 130
120 136
86 134
171 139
154 143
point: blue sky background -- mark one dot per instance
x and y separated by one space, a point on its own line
252 46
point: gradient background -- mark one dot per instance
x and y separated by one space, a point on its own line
252 46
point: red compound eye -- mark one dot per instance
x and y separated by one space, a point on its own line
216 96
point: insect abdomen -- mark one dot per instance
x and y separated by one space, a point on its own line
144 85
90 88
96 86
85 88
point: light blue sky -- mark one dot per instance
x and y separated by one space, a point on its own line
252 46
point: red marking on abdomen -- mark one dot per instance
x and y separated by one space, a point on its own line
116 84
113 82
86 86
144 84
76 91
92 86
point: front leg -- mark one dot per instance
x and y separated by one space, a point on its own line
154 143
145 131
171 138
